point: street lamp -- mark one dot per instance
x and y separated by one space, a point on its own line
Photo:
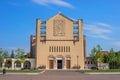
77 61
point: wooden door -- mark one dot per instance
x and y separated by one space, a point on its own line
67 64
50 64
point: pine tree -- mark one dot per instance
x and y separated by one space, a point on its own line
12 54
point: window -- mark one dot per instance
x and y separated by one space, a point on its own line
69 49
64 48
59 49
50 49
54 49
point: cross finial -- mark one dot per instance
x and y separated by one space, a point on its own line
59 12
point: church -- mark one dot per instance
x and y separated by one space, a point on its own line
59 43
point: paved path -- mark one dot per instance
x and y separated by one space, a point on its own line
61 75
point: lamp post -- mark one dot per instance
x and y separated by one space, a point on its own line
77 61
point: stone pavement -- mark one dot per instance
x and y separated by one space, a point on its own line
61 75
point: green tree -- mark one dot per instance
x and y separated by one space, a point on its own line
111 58
1 55
12 54
20 54
5 54
99 53
96 54
99 49
117 60
93 54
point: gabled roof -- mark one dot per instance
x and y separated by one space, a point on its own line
64 16
59 13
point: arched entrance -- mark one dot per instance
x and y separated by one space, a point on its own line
59 62
0 64
51 61
8 63
17 64
27 65
68 61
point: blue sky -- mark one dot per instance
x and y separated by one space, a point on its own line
101 20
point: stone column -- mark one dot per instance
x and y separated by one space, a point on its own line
22 65
55 63
64 64
3 64
12 67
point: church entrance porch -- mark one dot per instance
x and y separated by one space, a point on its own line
51 64
59 64
67 64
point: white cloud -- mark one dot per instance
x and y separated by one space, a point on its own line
97 31
103 24
117 43
101 36
55 2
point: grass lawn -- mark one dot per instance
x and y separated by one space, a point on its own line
110 70
22 71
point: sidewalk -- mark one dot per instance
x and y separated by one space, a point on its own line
102 72
23 73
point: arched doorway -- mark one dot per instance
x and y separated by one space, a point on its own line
59 61
0 64
51 61
8 63
68 61
27 65
17 64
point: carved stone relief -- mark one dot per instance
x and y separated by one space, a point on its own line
59 28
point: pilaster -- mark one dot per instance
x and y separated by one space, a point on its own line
38 26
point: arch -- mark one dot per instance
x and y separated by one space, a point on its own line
8 63
27 65
59 56
68 57
0 64
17 64
51 57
